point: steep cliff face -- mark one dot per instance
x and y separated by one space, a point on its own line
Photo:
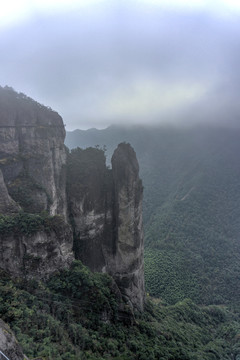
32 251
127 263
102 207
7 204
89 189
32 179
106 210
32 153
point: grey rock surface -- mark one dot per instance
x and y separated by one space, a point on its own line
37 255
104 206
32 153
33 179
7 204
127 266
8 343
108 224
90 205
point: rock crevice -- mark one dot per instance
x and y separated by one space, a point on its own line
109 231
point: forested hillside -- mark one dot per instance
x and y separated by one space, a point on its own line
75 315
191 208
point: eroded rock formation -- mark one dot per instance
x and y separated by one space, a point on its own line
36 255
32 179
32 153
7 204
127 263
90 206
102 206
107 219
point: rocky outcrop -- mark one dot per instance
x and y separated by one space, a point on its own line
107 220
102 205
36 255
7 204
32 179
32 153
126 266
9 345
90 205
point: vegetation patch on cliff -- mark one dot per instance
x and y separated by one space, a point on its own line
27 224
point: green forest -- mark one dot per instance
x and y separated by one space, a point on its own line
75 315
191 208
192 255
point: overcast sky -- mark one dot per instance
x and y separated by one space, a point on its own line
102 62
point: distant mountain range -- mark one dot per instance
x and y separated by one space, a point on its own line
191 179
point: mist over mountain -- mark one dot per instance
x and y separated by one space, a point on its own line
191 207
71 234
85 274
133 61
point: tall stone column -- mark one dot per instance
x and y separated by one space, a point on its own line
127 266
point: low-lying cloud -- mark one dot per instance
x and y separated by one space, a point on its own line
122 62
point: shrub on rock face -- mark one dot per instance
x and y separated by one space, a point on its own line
27 224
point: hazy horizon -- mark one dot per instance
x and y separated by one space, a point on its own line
164 126
131 62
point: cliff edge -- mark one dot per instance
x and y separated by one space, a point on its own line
53 201
32 154
35 238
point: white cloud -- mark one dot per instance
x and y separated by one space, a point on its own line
133 62
213 6
17 11
148 98
13 11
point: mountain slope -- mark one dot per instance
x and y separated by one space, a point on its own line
191 208
75 315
